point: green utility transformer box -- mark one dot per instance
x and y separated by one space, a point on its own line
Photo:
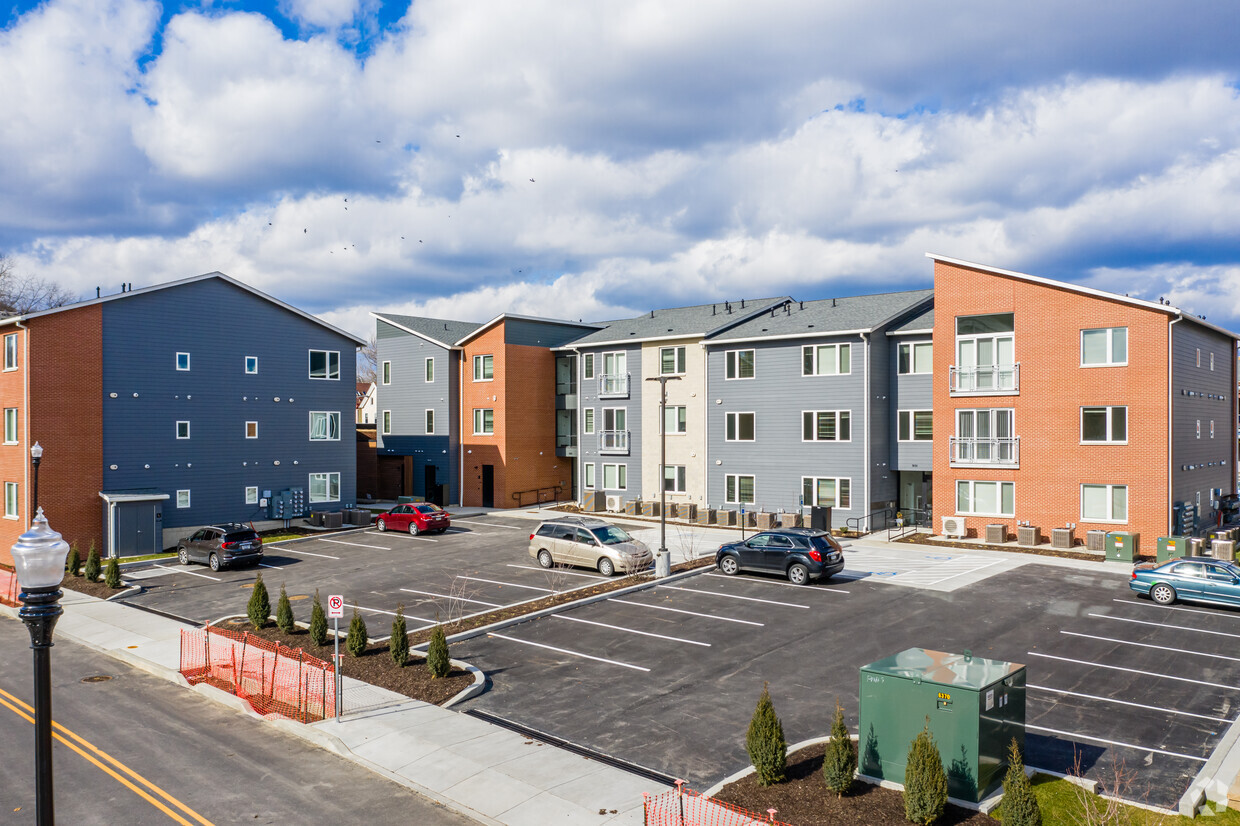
975 705
1123 545
1172 547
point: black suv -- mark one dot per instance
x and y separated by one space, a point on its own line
221 546
800 554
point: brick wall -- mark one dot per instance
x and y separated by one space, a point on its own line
483 450
14 458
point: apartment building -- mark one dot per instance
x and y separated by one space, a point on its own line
911 428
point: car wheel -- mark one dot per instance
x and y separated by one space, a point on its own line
413 528
182 556
1163 594
605 567
381 526
798 574
729 566
544 558
214 562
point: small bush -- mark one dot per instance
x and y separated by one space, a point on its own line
768 751
840 762
437 657
284 612
925 782
92 564
398 645
1020 806
112 575
73 565
355 642
259 608
318 622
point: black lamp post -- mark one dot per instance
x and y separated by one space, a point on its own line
36 456
39 558
662 561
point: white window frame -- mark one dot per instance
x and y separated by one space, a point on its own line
587 366
911 348
180 369
617 413
251 365
587 475
1110 419
973 483
732 423
428 419
251 494
386 372
587 425
386 417
328 375
910 416
682 420
11 503
178 430
247 430
330 416
621 470
1198 356
1110 331
732 365
732 481
327 480
480 421
678 479
10 426
428 372
841 482
1212 428
480 367
1110 489
1211 362
183 498
10 352
838 415
815 353
1199 428
679 359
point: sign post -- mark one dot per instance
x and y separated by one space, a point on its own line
335 610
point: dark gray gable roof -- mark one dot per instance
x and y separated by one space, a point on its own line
858 313
439 330
678 322
921 321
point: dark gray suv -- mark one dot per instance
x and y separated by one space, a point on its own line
222 546
800 554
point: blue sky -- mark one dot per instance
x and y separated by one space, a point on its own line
357 155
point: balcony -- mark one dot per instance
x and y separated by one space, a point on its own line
613 441
613 386
985 452
990 380
566 444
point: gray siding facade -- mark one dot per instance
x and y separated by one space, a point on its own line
589 443
912 391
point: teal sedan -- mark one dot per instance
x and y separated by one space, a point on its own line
1191 579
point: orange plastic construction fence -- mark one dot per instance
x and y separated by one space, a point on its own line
682 806
8 588
272 678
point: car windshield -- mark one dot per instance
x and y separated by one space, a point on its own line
428 508
611 535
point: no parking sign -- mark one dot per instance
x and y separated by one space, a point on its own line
335 606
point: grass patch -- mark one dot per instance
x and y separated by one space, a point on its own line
1061 802
168 555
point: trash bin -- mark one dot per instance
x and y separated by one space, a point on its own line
1122 545
820 518
1171 547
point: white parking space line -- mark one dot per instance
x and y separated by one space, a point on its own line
1151 645
570 653
275 567
148 573
631 630
556 571
389 613
509 584
489 525
283 550
382 533
355 544
1069 734
1135 671
1127 703
784 584
732 596
1164 625
1151 604
183 571
452 596
962 573
682 611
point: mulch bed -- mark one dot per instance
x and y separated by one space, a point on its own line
95 589
913 539
803 799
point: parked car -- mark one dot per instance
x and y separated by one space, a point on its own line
221 546
1192 579
419 517
801 554
591 542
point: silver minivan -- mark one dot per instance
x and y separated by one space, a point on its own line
590 542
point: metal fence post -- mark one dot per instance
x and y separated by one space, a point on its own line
680 798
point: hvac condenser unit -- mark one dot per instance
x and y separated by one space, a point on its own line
953 526
614 504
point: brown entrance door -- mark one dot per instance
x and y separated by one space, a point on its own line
488 486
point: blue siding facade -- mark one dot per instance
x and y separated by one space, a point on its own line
590 447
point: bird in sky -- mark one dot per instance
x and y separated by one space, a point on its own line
305 230
531 180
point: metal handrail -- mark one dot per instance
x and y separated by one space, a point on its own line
1002 450
613 441
613 385
538 495
854 523
914 519
1004 378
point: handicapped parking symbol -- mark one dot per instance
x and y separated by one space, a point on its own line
883 573
938 557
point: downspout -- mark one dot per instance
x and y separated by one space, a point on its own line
865 412
1171 424
579 369
26 425
705 406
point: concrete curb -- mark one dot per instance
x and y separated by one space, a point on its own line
133 590
1207 780
477 687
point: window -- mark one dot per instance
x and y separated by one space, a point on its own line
826 426
251 430
430 369
740 427
387 372
674 478
588 365
1211 362
182 430
986 498
739 364
615 477
1104 503
324 426
10 352
182 358
614 364
325 364
826 493
1198 356
589 419
671 360
916 357
738 490
985 353
251 495
826 360
430 422
1212 428
10 500
986 436
484 368
484 421
674 419
615 418
1104 425
324 487
1107 347
1199 428
589 472
251 364
10 425
916 425
182 498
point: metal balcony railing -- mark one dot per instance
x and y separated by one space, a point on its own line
566 440
994 379
613 441
985 451
565 388
613 386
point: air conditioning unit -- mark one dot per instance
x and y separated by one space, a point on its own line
614 504
953 526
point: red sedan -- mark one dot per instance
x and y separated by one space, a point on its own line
416 518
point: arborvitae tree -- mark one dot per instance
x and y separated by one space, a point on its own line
112 574
925 782
840 762
398 645
318 622
437 658
284 612
92 564
1020 806
259 609
355 642
768 751
73 565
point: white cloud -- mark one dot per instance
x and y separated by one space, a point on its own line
324 14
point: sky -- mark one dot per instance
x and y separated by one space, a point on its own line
596 160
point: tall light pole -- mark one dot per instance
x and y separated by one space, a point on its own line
36 456
39 558
662 561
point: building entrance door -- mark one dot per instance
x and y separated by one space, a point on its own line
488 486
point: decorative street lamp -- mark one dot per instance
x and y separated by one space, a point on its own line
662 560
36 456
39 557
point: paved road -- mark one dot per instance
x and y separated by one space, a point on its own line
171 756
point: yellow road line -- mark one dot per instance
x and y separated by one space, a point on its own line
59 732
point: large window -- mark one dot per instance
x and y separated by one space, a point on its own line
985 353
251 495
430 369
674 478
1104 425
10 500
739 427
826 426
10 425
589 420
387 372
484 421
324 426
10 353
826 492
589 475
430 421
826 360
738 489
674 419
739 364
916 357
986 436
325 364
484 368
324 487
182 430
671 361
916 425
615 477
1107 347
1104 503
985 498
182 498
